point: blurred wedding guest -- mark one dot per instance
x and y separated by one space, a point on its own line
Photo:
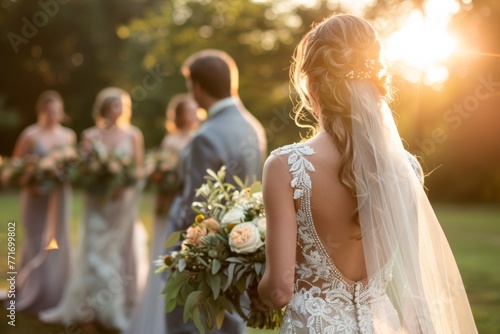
182 122
108 275
45 215
231 136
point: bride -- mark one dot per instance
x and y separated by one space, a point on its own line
109 271
353 245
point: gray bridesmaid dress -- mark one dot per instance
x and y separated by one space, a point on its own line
43 273
108 274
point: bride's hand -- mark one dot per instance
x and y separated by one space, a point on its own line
256 303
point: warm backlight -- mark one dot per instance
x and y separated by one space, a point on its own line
422 44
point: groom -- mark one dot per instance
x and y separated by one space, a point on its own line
230 136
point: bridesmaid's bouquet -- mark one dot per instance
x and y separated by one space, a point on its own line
222 256
101 172
41 174
11 170
161 170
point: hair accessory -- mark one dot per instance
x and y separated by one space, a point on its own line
370 70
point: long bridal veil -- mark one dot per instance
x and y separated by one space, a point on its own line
398 225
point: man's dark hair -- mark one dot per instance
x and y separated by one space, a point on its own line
215 71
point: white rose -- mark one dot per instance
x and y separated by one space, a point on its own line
257 197
245 238
101 152
235 215
261 225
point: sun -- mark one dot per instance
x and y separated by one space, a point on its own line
423 44
420 43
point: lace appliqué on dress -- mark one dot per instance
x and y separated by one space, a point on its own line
323 301
299 168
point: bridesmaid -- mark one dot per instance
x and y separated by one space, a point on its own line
182 122
43 270
108 276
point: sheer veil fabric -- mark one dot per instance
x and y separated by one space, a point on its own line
398 225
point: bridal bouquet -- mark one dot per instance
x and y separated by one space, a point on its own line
100 172
161 170
41 174
222 256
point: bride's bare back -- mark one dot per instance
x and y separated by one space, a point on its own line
333 206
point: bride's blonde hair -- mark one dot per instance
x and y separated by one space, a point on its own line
328 61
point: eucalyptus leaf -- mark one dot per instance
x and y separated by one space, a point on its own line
185 291
220 318
241 271
202 261
256 187
214 283
216 265
234 260
170 304
238 182
230 274
181 265
240 285
174 282
212 174
191 302
208 310
258 268
227 305
173 238
249 280
197 320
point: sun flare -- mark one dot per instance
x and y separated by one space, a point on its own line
423 44
420 43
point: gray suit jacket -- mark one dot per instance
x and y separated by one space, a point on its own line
234 138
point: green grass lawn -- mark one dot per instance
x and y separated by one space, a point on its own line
473 232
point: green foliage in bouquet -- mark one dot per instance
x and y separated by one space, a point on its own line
161 170
10 172
100 172
41 174
222 256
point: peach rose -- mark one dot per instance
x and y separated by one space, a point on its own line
212 225
193 234
245 238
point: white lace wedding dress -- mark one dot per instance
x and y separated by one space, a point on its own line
111 263
324 301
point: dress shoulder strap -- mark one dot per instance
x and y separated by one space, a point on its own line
300 166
